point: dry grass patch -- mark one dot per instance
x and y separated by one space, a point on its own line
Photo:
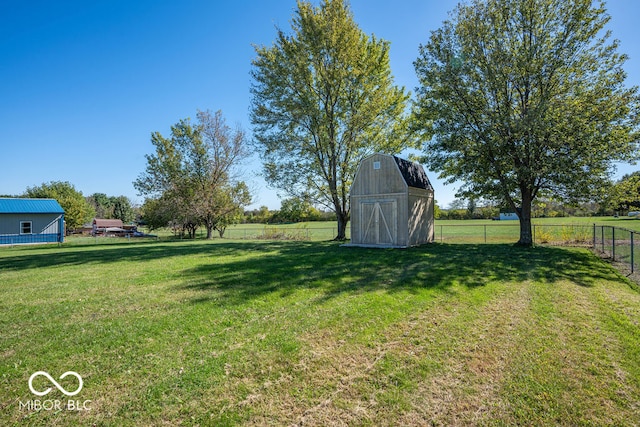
465 390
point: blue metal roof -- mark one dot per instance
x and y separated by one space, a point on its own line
30 206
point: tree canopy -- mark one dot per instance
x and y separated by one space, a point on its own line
191 174
523 97
626 193
76 209
108 207
324 98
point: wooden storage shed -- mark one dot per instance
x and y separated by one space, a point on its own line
26 221
391 203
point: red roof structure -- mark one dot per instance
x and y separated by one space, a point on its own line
106 223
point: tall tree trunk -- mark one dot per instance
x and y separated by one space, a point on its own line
343 218
526 237
191 230
208 224
340 203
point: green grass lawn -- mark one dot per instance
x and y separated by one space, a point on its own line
292 333
546 230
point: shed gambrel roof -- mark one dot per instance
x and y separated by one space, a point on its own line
21 206
413 174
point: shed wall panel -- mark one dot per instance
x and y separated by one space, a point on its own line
386 179
10 223
420 219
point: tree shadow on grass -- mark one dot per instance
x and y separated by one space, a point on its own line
24 258
236 271
290 266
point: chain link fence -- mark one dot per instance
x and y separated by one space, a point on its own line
566 234
619 244
283 232
576 235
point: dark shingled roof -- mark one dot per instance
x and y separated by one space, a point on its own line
413 174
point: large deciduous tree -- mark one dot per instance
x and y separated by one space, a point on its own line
119 207
626 193
323 98
523 97
193 171
76 209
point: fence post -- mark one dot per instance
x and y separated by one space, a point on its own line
632 252
594 236
602 232
485 233
613 243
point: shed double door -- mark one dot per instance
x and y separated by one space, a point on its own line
379 222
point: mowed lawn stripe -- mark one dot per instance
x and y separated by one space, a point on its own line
432 366
477 353
564 372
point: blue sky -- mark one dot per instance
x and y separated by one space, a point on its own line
83 84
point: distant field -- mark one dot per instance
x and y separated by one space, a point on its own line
546 230
310 333
627 222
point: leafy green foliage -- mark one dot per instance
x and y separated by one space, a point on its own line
112 207
76 209
190 176
296 209
523 97
626 193
323 98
